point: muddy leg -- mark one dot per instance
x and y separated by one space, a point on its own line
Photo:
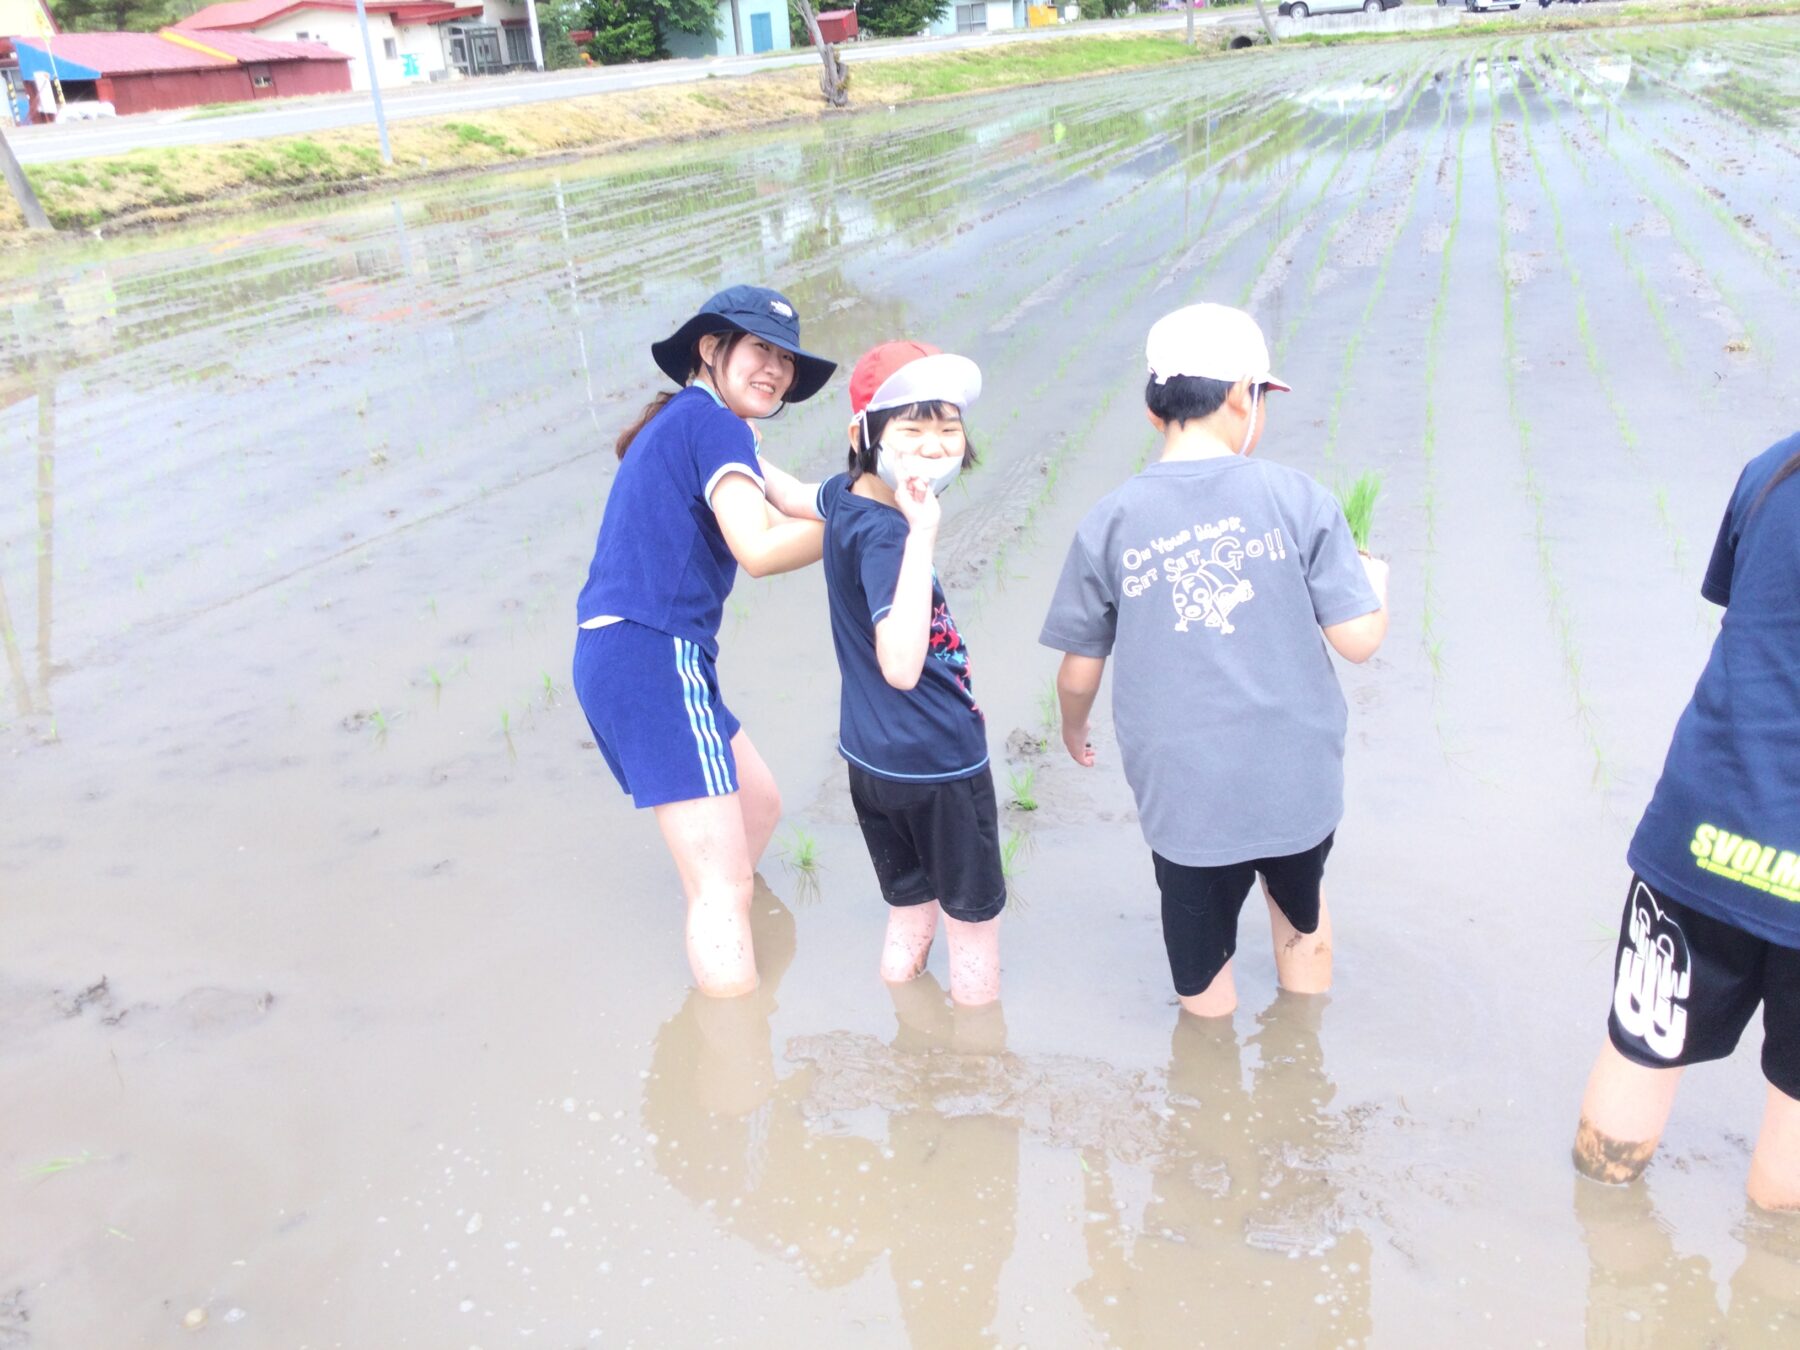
760 797
706 838
1622 1117
1775 1169
1302 960
1218 999
974 961
908 944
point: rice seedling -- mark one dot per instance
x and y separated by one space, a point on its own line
1021 784
800 851
550 688
1049 704
54 1166
1010 849
1358 500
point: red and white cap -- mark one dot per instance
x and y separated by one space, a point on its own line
1214 342
900 374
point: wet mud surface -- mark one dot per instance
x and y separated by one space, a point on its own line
342 999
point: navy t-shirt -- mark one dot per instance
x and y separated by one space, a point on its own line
933 732
662 560
1722 832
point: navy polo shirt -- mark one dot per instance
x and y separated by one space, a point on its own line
933 732
1722 831
661 559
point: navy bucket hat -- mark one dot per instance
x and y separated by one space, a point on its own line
759 311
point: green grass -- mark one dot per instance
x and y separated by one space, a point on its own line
470 134
1030 63
1358 501
1021 786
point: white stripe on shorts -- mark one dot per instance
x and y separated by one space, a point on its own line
701 722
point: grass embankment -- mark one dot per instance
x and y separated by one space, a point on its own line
1564 18
153 186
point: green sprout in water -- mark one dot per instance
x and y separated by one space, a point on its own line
800 851
1022 784
1009 854
1358 501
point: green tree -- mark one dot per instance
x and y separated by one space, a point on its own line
555 19
632 30
115 16
898 18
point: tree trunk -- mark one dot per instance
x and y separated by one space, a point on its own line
834 81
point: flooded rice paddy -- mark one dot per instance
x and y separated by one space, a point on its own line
342 998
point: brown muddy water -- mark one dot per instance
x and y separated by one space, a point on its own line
342 997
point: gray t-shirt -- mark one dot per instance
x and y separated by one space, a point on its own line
1208 581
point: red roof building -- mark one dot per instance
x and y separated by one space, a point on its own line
145 72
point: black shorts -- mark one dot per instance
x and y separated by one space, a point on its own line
1200 907
933 841
1685 986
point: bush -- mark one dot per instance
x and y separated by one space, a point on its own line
898 18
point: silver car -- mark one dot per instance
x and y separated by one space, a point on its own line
1299 9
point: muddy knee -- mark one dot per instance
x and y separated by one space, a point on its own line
1613 1161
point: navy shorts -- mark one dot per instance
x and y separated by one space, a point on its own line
934 841
1200 907
1685 985
653 703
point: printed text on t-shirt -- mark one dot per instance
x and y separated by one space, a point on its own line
1203 569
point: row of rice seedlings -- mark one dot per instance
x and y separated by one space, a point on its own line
1702 193
1562 618
1568 82
1434 349
1364 325
1627 432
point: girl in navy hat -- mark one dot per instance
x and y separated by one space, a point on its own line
691 503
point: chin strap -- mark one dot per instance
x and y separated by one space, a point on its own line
1250 429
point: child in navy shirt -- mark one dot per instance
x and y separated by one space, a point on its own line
1711 927
909 726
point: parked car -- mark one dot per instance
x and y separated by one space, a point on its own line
1299 9
1479 5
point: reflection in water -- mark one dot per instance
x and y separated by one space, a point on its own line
42 387
937 1198
1642 1292
1243 1241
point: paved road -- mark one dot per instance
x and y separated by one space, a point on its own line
84 140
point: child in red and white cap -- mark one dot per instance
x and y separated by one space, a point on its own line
909 726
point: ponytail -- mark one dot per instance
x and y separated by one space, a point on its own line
1785 472
627 436
732 337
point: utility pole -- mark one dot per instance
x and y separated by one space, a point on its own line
32 209
362 21
1189 6
537 42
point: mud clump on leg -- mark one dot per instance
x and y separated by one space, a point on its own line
1608 1160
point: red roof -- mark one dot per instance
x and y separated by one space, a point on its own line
255 13
139 53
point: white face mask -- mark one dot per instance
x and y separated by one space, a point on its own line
895 469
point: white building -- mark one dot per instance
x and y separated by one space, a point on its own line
414 40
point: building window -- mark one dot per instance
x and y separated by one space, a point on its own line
518 46
972 18
302 37
390 49
261 82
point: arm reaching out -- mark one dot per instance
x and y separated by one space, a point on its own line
787 494
1077 685
903 635
763 543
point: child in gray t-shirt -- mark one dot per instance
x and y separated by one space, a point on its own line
1209 577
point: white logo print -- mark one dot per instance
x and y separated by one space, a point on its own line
786 311
1203 567
1654 975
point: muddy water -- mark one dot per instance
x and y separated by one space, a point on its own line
341 995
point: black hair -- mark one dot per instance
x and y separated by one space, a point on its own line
862 455
732 337
1785 472
1185 398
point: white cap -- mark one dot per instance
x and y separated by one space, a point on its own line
1214 342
